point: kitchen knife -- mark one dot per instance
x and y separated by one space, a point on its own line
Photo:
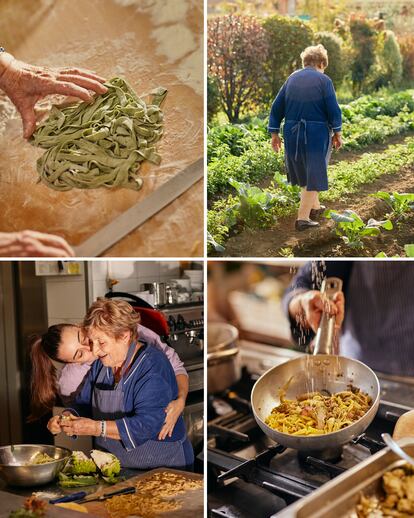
69 498
105 496
141 211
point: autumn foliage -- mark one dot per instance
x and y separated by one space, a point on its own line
237 48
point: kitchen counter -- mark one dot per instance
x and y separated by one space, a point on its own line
54 487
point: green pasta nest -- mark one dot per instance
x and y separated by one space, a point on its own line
101 144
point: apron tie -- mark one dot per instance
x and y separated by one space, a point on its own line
296 128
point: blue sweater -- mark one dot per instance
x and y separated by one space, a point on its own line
149 386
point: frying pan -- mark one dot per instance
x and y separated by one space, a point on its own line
316 373
322 372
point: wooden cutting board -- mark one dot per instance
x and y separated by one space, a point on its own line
10 502
192 500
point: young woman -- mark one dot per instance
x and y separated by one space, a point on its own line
69 344
125 393
313 122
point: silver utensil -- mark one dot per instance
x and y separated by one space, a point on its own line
325 336
396 448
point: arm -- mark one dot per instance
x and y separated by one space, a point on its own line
333 110
71 379
151 395
176 407
277 111
153 339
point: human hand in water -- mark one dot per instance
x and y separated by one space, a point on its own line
174 410
276 142
26 84
307 308
29 243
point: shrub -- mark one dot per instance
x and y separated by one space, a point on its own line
287 38
407 52
363 52
237 48
213 97
388 68
333 44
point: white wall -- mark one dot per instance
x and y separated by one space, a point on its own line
66 298
130 274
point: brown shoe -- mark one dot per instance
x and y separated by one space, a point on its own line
316 213
304 224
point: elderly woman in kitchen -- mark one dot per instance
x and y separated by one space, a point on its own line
70 345
313 122
125 393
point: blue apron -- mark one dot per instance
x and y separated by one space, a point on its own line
308 146
109 405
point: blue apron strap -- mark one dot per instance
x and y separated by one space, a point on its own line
296 128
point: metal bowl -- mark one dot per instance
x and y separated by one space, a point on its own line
14 468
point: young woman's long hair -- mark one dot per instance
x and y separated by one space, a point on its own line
44 349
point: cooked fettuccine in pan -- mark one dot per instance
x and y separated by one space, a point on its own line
314 413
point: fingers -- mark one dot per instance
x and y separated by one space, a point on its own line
28 118
167 429
60 87
84 82
339 300
81 72
46 243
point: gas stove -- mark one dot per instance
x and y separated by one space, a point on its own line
251 476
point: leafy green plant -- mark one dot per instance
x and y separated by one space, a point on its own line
252 207
351 228
212 244
409 250
399 203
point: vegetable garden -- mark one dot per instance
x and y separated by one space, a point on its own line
370 201
251 204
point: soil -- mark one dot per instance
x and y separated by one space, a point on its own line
283 240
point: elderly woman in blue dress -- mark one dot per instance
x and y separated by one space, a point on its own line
122 403
307 102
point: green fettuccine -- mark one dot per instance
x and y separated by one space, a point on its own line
100 144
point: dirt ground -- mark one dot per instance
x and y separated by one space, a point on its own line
282 239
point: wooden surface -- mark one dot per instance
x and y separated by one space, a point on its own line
10 502
192 500
130 41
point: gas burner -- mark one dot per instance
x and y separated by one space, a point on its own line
245 465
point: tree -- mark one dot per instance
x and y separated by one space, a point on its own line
237 48
213 97
390 58
407 51
363 52
287 38
333 45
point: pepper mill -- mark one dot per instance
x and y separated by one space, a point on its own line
325 336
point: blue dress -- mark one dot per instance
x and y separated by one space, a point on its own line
307 102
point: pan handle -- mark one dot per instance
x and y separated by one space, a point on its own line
325 336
